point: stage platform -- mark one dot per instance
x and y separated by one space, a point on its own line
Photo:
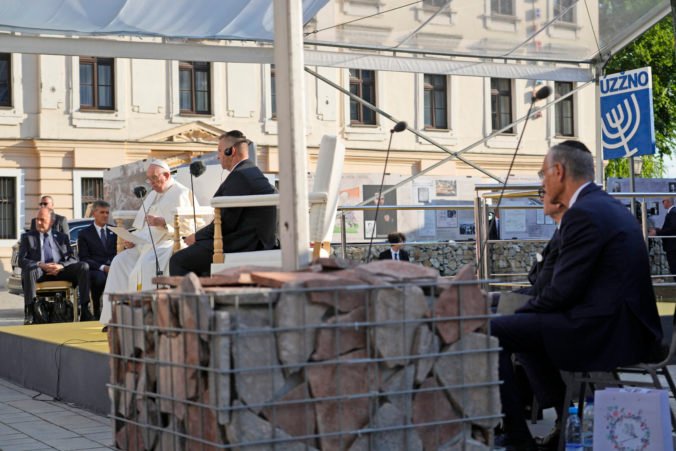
68 361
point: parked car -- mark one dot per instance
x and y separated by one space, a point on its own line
14 280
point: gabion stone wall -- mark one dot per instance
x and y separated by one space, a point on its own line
512 256
356 358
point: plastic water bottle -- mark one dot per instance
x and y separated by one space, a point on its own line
588 425
573 431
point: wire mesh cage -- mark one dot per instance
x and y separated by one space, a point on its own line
390 366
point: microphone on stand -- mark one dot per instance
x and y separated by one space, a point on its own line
398 127
141 192
540 94
197 168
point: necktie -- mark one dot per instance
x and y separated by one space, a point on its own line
103 236
49 255
396 255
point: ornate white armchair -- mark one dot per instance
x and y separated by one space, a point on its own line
323 201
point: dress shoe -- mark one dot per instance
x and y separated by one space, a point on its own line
85 315
28 315
551 440
510 443
105 329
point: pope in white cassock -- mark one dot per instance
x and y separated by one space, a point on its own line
134 268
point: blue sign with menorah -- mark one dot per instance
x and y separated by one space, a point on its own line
627 114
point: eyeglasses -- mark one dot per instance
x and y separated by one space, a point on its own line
154 178
542 172
44 204
541 193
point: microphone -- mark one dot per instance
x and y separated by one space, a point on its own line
541 94
399 127
197 168
140 192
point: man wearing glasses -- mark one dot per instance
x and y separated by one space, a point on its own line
598 310
134 268
59 223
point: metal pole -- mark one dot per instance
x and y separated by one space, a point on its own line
343 234
600 179
632 185
644 221
294 221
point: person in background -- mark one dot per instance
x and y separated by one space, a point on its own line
46 255
97 246
396 251
244 229
668 229
59 223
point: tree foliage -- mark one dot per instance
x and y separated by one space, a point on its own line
655 48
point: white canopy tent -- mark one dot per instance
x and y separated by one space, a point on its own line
294 33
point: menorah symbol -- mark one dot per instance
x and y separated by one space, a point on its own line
615 126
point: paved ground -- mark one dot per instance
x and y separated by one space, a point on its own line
31 421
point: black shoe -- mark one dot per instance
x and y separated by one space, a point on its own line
551 440
105 329
28 315
85 315
509 443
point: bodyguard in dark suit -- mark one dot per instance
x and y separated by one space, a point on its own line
45 255
97 246
598 311
244 229
669 229
59 223
395 252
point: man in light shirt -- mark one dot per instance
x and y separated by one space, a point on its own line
46 255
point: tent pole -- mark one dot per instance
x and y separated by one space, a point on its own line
598 71
289 78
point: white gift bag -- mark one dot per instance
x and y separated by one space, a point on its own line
632 419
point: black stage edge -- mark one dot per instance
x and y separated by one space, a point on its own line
65 373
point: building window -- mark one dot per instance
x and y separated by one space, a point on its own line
504 7
97 83
8 208
91 189
563 10
501 104
565 120
273 92
362 84
435 3
5 79
195 87
436 111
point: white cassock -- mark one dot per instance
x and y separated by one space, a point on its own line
133 269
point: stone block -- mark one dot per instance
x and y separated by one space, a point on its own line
342 415
254 349
129 437
338 298
335 341
130 329
201 422
425 343
401 307
399 270
401 381
171 381
472 368
296 419
247 427
165 314
460 301
433 406
295 312
219 375
242 296
388 416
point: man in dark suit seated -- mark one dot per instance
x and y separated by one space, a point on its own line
244 229
668 229
59 223
395 252
97 246
46 255
598 310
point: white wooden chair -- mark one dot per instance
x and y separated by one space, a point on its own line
323 201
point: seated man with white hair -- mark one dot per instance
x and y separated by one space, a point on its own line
134 268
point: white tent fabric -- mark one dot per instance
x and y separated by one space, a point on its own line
393 35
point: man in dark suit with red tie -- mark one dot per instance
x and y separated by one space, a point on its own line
97 246
598 311
395 252
46 255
